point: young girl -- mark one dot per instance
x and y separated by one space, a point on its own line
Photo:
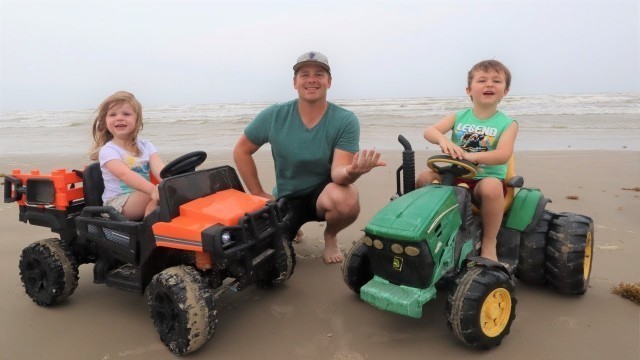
125 159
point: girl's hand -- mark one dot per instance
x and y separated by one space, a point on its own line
451 149
155 195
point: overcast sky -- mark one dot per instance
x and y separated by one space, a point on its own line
66 55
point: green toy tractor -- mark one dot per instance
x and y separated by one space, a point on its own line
428 239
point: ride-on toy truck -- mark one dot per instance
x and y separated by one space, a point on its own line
206 236
428 239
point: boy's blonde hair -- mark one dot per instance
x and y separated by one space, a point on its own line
101 134
487 65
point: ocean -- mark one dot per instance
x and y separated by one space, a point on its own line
547 122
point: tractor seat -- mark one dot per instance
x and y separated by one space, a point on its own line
93 185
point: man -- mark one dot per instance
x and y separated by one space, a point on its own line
314 145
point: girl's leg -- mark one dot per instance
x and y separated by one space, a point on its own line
490 191
136 206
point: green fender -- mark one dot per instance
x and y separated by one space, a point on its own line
528 206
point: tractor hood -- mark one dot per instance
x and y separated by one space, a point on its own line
413 215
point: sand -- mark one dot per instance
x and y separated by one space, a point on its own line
315 316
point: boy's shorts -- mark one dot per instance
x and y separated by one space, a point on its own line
303 209
471 184
118 201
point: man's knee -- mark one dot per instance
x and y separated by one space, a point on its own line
342 200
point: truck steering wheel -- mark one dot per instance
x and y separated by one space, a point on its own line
183 164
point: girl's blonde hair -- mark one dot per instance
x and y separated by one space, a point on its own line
101 134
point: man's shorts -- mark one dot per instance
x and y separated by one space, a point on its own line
304 209
118 201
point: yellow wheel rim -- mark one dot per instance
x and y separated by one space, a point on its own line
588 250
495 312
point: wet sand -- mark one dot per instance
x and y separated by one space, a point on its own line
315 316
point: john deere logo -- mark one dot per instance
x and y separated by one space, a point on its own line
397 263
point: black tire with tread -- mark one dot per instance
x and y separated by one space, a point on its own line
182 308
569 253
467 296
531 259
285 264
355 268
48 271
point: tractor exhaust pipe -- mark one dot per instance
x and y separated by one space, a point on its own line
408 168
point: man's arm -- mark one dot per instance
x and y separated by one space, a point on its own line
348 167
243 157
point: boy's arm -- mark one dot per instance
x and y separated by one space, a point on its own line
120 170
503 151
435 134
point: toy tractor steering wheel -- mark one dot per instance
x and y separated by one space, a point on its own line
183 164
462 169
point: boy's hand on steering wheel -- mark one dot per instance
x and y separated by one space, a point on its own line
451 149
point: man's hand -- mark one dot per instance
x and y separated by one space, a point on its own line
363 162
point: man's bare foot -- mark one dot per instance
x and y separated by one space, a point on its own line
332 255
299 236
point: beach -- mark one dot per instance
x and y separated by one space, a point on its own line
315 316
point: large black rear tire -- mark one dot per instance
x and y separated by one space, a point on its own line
481 306
182 309
356 270
569 253
531 258
48 271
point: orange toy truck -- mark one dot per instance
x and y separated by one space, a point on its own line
206 230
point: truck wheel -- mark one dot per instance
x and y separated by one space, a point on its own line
531 259
285 263
481 307
49 272
355 269
182 308
569 253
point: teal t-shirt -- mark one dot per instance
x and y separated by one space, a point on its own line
303 156
476 135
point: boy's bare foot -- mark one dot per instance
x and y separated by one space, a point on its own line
299 236
491 255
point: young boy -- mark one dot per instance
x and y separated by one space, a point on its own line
483 135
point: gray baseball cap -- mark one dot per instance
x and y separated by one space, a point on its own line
312 58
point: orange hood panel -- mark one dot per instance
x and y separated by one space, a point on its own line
224 207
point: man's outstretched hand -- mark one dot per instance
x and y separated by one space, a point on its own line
363 162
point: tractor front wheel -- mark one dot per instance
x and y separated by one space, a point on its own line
285 263
48 271
569 253
356 270
481 306
182 309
